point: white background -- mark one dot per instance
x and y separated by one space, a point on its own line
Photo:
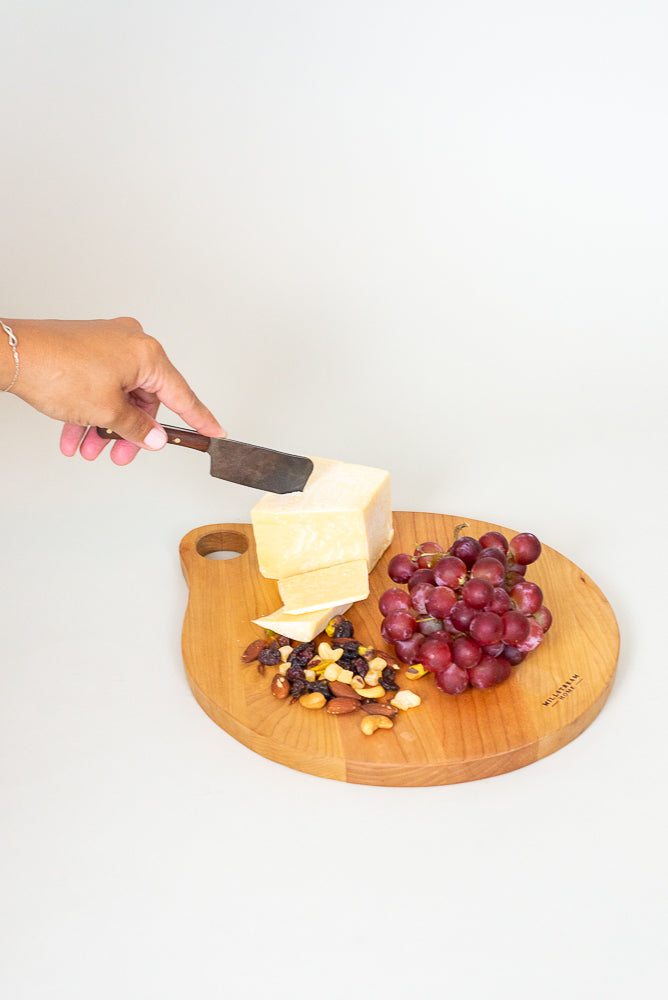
427 236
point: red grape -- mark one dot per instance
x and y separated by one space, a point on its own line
465 652
466 548
478 593
513 655
450 572
435 654
488 568
429 625
461 616
421 576
399 625
408 650
501 601
401 568
392 600
515 627
419 594
527 596
452 680
426 554
486 628
492 553
534 638
525 548
489 671
440 601
544 617
494 539
495 649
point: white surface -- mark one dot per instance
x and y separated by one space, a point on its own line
425 236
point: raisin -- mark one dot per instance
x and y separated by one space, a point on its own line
302 653
387 681
343 629
359 666
295 672
270 655
322 686
298 687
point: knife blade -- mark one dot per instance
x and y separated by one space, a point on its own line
238 462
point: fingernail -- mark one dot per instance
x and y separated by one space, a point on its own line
155 439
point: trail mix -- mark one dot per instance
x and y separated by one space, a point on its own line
337 673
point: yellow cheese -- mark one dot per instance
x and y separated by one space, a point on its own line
301 628
343 514
323 588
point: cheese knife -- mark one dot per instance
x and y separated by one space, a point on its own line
237 462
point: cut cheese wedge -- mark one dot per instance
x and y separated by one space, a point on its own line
301 628
343 514
320 589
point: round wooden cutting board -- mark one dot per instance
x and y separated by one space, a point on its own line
549 699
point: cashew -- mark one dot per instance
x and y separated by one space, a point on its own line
370 723
371 678
325 652
405 700
373 692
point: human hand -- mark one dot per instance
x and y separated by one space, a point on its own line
106 373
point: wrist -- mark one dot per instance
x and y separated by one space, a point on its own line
9 367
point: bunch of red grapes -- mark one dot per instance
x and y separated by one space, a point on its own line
468 615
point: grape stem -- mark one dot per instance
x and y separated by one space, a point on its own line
458 528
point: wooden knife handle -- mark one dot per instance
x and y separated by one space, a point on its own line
175 435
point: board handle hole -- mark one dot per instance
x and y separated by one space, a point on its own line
222 545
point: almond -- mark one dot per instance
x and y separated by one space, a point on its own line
342 706
341 690
380 708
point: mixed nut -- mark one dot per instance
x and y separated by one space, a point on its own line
338 674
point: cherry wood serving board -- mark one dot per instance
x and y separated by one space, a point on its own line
549 699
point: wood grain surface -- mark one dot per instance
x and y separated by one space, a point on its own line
549 699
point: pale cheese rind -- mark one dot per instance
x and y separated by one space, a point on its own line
343 514
324 588
301 628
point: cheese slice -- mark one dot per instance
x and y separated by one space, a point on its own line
301 628
324 588
343 514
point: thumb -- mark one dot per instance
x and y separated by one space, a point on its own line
137 426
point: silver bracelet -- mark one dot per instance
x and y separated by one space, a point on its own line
13 343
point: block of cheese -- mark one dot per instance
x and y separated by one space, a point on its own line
324 588
301 628
344 513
